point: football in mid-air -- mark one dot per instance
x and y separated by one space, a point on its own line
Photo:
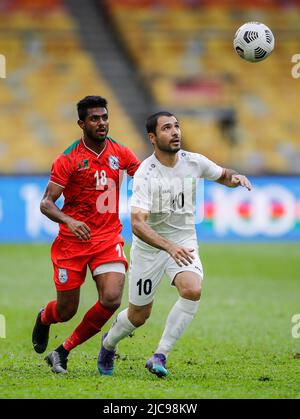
253 41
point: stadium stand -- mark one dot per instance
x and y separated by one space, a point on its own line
47 73
237 113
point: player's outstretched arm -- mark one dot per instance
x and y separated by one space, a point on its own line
233 179
49 208
143 231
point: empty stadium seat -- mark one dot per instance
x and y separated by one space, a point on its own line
48 72
183 51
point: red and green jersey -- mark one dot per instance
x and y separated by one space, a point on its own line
91 185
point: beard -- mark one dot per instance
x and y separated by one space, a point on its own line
168 148
96 136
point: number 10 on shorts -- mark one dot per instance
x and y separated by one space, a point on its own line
144 286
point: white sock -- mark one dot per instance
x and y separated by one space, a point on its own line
121 328
178 320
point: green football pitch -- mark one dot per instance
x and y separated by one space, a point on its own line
239 345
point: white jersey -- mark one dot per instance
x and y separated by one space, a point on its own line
169 194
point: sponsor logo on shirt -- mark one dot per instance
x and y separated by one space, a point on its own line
113 162
62 275
84 164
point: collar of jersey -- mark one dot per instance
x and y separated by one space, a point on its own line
92 151
166 167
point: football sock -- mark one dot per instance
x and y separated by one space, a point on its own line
92 322
121 328
61 350
50 314
178 320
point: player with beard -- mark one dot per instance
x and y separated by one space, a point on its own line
164 241
88 174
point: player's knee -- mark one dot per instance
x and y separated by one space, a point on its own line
111 301
191 293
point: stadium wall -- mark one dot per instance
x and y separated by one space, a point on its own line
270 212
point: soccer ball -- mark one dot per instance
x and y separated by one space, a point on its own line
253 41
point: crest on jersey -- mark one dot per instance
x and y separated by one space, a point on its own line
62 275
84 164
113 162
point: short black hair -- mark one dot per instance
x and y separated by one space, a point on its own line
90 102
151 122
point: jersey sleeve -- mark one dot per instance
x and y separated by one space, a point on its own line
131 162
141 194
208 169
61 170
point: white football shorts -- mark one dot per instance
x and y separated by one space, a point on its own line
147 267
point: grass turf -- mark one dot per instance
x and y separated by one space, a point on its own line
239 345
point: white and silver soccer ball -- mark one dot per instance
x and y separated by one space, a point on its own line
254 41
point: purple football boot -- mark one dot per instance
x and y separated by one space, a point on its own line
157 365
106 358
